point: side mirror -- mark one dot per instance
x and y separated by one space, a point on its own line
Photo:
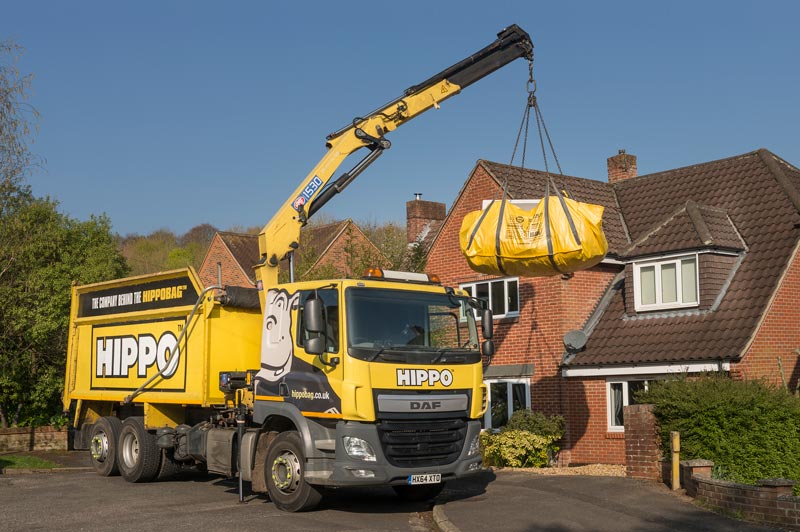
315 345
487 348
487 323
314 315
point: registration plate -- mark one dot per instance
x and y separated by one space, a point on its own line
428 478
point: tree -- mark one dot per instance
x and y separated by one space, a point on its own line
44 252
18 121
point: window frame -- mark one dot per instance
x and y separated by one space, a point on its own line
624 381
487 416
471 288
658 266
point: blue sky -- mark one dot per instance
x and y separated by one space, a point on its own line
176 113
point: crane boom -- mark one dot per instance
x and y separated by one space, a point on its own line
280 236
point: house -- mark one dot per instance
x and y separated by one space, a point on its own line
701 275
330 250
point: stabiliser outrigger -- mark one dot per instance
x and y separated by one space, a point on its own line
375 381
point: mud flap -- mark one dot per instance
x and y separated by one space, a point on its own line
258 480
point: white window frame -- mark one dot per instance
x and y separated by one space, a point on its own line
506 280
487 417
625 397
659 264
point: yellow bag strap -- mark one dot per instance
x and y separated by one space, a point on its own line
547 232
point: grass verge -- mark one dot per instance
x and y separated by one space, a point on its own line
18 461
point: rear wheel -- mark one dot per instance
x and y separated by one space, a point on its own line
284 470
169 467
103 445
138 455
422 492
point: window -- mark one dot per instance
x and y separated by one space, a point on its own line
506 397
665 284
502 295
620 394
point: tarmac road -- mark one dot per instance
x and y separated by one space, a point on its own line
506 500
86 501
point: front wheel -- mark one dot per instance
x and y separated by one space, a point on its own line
284 470
138 455
423 492
103 445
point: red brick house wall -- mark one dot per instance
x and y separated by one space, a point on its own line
777 337
353 240
549 307
232 274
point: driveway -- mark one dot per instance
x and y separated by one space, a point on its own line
517 501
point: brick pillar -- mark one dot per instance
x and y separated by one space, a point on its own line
621 167
642 444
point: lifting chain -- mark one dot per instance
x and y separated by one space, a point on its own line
533 103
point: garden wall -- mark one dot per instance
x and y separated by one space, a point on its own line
20 439
770 502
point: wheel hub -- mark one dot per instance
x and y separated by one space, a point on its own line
99 447
286 473
130 450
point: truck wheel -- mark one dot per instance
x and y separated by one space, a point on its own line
138 455
284 471
169 467
103 445
419 493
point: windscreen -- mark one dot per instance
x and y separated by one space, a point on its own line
415 327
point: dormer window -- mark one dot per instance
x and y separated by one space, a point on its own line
666 283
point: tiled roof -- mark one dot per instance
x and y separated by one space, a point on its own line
524 183
749 202
244 248
692 227
315 238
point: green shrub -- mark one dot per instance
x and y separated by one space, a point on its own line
528 440
748 428
537 423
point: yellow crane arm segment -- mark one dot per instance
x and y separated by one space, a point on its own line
281 234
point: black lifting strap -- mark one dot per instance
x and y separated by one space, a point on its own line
532 103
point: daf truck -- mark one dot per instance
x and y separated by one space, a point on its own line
299 386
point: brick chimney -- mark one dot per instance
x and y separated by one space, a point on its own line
621 167
419 213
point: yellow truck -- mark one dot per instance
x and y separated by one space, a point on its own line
292 387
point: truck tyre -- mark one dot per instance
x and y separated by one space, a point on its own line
284 471
103 445
169 467
419 493
138 455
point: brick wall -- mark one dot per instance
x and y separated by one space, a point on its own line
33 439
351 240
549 307
777 337
232 274
770 502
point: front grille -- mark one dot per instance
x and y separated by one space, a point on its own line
422 443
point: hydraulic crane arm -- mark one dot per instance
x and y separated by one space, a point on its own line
281 235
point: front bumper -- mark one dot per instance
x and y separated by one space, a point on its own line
348 471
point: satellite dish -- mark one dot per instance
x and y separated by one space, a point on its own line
574 341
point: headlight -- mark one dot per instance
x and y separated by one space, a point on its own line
359 449
474 446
